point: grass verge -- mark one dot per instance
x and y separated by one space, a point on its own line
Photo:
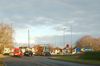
75 59
1 60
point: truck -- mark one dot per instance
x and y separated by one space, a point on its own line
16 52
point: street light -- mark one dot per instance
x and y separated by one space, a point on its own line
71 34
64 31
64 34
28 38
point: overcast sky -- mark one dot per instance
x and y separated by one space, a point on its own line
46 19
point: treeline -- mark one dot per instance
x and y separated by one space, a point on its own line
6 36
89 42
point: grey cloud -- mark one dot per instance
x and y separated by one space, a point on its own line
84 13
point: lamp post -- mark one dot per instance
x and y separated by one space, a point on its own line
64 31
71 34
64 35
71 39
28 38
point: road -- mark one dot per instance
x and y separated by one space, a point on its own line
37 61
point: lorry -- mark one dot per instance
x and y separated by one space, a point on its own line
16 52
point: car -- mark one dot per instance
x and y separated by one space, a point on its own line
28 53
46 54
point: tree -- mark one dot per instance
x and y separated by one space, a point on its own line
88 42
85 41
6 36
97 44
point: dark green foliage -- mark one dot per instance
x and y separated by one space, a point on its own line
91 55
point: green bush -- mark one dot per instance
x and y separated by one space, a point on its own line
91 56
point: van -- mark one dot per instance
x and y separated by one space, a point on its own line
6 51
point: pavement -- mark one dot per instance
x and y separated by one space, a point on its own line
37 61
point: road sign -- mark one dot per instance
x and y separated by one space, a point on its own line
78 49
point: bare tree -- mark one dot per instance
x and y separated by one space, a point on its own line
89 42
6 36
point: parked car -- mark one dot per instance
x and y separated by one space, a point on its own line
46 54
16 52
28 53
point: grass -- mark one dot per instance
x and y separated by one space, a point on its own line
1 60
91 55
75 59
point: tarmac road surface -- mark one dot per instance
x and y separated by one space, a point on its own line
37 61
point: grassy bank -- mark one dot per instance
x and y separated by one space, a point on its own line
1 60
75 59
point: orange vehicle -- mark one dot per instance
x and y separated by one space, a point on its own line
17 52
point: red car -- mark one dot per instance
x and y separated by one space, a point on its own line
17 52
